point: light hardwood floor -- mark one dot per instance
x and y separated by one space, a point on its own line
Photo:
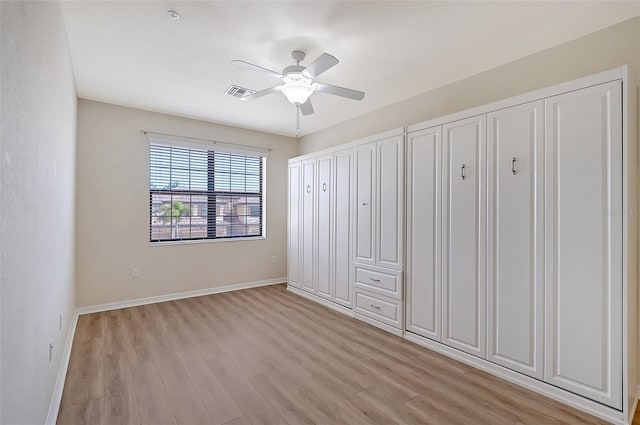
266 356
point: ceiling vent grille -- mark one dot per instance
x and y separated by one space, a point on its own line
237 91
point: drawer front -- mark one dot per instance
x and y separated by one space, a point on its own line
383 309
389 284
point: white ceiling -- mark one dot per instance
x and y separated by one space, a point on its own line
131 53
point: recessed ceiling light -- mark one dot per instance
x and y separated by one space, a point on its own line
173 15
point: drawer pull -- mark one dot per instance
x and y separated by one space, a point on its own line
377 307
375 280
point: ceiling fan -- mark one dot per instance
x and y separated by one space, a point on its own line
298 81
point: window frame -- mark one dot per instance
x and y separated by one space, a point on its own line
211 150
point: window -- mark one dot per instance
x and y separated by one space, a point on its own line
200 193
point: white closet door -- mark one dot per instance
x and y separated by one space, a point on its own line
324 218
515 301
423 232
343 207
583 187
308 219
365 203
390 202
294 257
464 235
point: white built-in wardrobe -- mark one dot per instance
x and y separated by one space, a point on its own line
320 224
496 236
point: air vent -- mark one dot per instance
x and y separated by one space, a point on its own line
236 91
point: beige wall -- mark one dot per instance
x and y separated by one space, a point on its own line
599 51
113 211
37 204
606 49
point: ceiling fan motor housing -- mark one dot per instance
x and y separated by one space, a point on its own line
293 69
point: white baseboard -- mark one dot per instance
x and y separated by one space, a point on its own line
344 310
377 324
177 296
56 397
596 409
634 405
320 300
588 406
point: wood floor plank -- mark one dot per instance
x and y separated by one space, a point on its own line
390 403
238 421
138 351
114 341
268 356
344 354
283 399
255 408
86 368
356 407
186 404
216 399
152 400
169 366
86 411
121 405
309 346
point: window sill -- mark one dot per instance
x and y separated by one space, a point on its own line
205 241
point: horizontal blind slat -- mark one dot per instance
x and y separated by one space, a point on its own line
203 194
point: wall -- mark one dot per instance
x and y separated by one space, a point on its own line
37 204
113 211
599 51
602 50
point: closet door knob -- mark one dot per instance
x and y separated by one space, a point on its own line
462 172
513 165
364 203
308 188
324 187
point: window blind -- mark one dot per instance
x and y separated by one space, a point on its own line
200 193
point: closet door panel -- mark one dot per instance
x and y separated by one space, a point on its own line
464 235
423 232
584 242
343 193
294 257
308 221
324 220
390 202
365 203
514 291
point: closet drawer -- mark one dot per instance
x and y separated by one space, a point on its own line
383 309
385 282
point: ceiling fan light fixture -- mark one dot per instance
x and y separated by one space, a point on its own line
297 92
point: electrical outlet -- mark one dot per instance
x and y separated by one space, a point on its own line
59 321
135 272
50 349
273 259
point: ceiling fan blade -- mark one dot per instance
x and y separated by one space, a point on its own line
341 91
320 65
253 67
306 108
261 93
